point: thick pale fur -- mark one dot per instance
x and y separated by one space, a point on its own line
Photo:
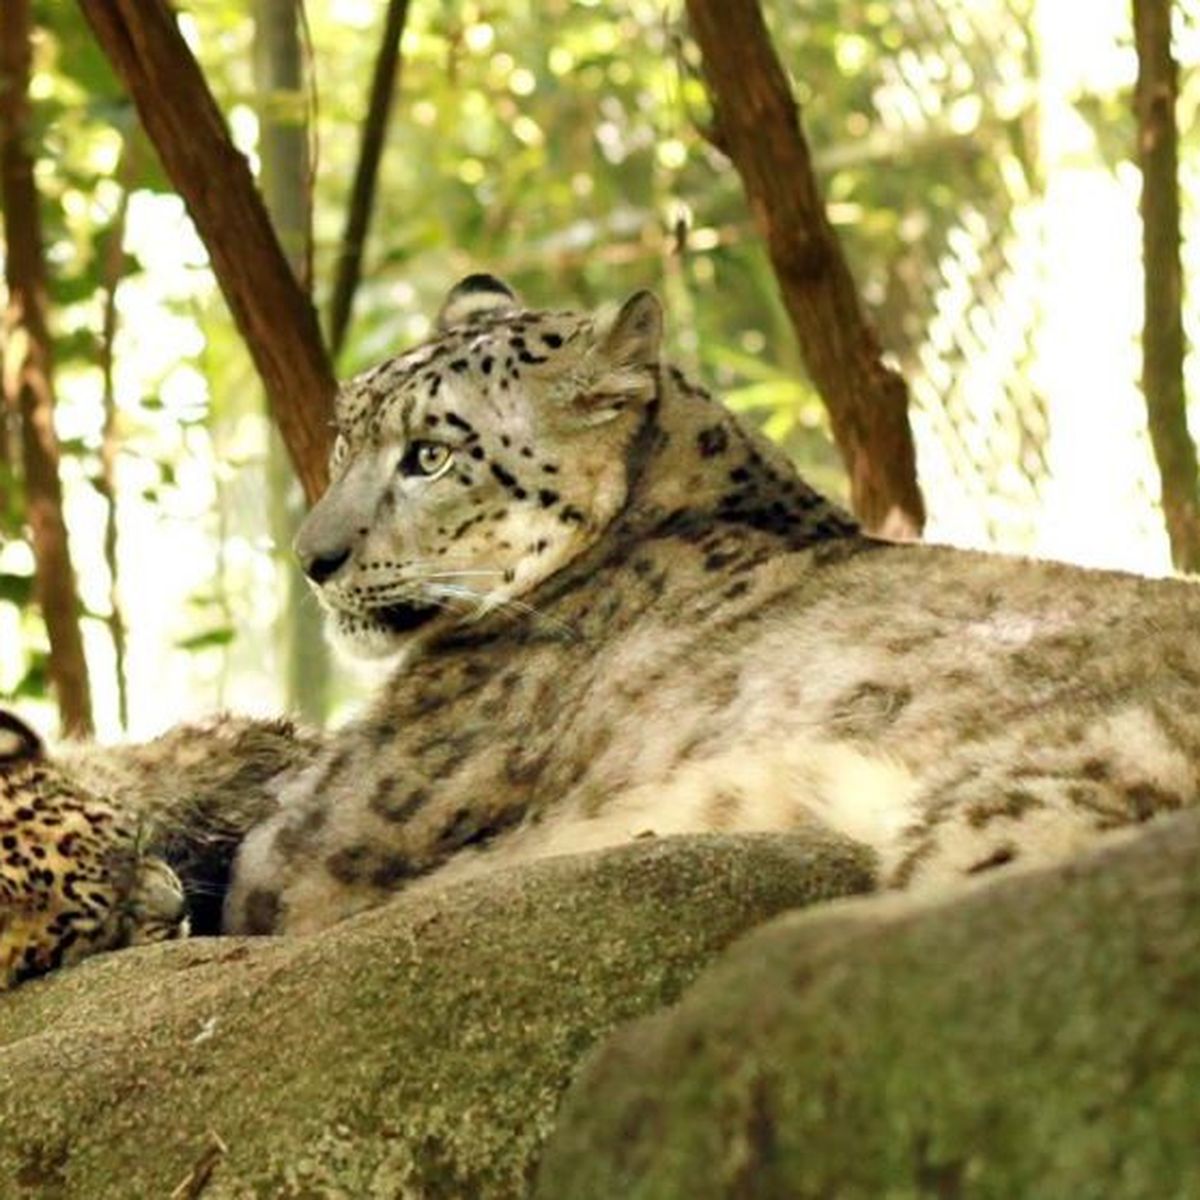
619 613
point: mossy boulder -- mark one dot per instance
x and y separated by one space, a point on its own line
419 1050
1035 1037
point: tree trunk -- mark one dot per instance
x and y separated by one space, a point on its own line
758 126
285 180
1162 335
28 380
7 458
366 175
276 319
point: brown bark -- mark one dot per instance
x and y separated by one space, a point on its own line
276 319
758 126
28 380
362 195
1162 335
7 458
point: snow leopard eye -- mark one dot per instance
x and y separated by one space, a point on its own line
428 459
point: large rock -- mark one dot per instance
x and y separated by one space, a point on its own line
419 1050
1038 1037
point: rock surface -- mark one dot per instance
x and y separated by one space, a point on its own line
419 1050
1037 1037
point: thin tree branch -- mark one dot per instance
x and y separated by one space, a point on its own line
284 142
28 375
366 175
312 122
280 48
113 268
276 319
1162 334
757 124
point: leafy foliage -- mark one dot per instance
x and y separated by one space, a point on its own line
562 143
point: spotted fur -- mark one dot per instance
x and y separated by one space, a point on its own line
616 611
73 877
195 791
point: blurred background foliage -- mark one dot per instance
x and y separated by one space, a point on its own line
976 158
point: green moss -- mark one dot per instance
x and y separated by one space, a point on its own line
418 1050
1039 1037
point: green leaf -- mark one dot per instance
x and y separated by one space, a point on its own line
35 683
207 640
16 589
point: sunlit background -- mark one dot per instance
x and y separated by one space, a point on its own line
976 159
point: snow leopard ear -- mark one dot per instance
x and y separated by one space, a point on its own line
625 354
633 337
18 743
473 297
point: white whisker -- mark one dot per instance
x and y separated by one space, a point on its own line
437 587
454 591
438 564
410 587
413 591
455 575
501 604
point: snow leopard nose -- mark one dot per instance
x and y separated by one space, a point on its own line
339 522
320 567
